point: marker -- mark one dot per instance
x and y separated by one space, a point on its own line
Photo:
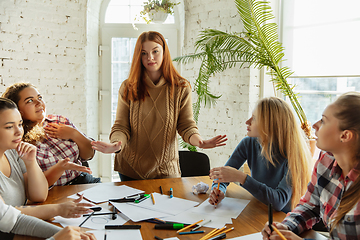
142 199
171 192
122 226
270 213
191 232
96 208
161 191
169 226
158 238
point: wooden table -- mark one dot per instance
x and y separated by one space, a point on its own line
251 220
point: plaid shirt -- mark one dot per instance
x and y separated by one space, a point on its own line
51 150
322 199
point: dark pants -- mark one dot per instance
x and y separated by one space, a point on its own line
124 178
6 236
84 178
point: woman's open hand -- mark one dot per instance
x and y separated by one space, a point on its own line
65 164
105 147
74 209
213 142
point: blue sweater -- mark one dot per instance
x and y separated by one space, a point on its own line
267 183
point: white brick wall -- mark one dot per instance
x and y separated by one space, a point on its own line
53 44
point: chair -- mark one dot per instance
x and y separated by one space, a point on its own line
194 164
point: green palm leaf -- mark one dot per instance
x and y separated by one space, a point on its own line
258 46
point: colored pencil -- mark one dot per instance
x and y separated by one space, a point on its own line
152 198
279 233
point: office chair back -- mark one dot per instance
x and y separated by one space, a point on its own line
194 164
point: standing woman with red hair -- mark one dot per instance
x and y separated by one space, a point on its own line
154 103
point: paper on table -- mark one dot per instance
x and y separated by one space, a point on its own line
118 234
137 214
167 205
104 192
228 207
249 237
191 217
95 222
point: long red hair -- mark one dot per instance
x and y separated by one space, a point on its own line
135 87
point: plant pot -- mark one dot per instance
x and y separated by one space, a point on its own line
157 16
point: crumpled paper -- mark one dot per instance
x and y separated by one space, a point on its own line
200 188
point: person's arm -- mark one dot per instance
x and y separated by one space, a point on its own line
64 131
120 131
35 182
55 172
234 163
70 209
11 220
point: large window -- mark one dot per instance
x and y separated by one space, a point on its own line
321 40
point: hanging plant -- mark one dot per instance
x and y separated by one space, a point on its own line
153 6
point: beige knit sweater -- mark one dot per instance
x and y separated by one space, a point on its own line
147 130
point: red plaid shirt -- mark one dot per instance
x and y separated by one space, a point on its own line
51 150
322 199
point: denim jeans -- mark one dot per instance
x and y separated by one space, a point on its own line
84 178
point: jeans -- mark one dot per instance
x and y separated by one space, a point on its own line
124 178
84 178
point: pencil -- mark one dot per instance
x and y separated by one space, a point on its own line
210 233
187 227
279 233
105 236
86 219
152 198
215 233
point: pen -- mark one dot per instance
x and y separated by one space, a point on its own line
152 198
161 191
187 227
270 213
122 226
123 200
171 192
86 219
105 236
97 214
279 233
196 228
191 232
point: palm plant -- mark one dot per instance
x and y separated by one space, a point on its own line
258 46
